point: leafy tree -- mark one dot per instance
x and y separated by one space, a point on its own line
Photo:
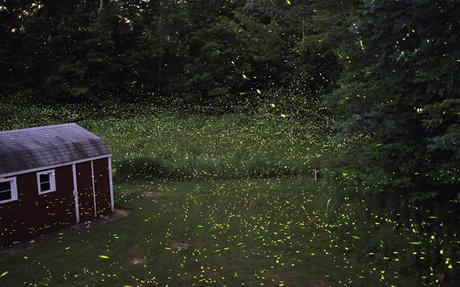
20 54
401 87
219 53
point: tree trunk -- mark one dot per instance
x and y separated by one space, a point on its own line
101 4
159 75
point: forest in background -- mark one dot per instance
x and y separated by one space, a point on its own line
219 53
254 91
384 74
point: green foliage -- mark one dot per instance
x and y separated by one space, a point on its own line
400 86
347 222
389 71
213 54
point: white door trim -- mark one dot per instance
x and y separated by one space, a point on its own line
75 194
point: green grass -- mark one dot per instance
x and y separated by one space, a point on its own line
153 143
249 211
268 231
252 232
203 147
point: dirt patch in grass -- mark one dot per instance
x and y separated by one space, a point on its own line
186 280
137 260
117 214
154 194
292 279
178 245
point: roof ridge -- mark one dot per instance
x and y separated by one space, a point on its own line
39 127
24 149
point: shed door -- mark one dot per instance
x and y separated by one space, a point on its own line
102 186
86 200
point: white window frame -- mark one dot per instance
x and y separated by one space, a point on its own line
14 189
52 181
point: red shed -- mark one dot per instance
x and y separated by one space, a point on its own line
50 177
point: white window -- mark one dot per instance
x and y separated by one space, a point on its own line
46 181
8 190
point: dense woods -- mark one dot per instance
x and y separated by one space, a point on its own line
384 71
365 91
402 88
200 52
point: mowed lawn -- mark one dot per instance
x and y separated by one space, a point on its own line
181 147
252 232
234 232
229 201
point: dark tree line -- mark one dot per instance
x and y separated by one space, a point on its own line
386 69
206 52
401 86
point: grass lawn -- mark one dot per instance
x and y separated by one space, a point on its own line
205 147
229 200
149 143
232 232
270 232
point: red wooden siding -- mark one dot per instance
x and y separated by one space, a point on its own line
34 214
85 191
102 185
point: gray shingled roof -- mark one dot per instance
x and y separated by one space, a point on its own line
38 147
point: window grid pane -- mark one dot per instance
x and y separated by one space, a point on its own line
5 186
45 186
5 195
46 182
45 177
